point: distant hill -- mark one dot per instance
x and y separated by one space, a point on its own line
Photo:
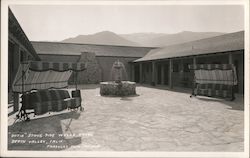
160 39
141 39
105 38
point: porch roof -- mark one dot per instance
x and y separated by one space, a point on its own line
223 43
16 30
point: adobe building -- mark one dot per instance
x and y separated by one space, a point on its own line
169 65
99 58
148 65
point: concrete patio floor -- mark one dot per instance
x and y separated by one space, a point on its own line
155 120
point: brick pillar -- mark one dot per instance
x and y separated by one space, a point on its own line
162 74
170 83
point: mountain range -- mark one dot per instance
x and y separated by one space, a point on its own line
105 37
140 39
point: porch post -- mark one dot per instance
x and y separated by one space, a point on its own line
230 58
140 65
153 73
16 66
181 65
170 73
162 74
15 101
194 60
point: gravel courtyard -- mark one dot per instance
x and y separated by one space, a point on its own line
155 120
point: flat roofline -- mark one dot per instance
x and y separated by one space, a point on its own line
61 54
91 44
96 55
118 56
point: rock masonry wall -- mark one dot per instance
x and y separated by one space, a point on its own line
92 74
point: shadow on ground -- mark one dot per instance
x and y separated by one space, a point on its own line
164 87
46 133
237 104
129 98
125 98
85 86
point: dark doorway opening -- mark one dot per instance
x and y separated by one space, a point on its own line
158 74
137 73
236 64
166 72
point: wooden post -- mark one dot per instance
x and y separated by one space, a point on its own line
230 61
194 84
181 76
140 72
170 73
162 74
16 65
194 61
76 79
230 58
16 101
156 74
153 73
181 65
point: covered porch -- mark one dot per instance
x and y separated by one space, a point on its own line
174 72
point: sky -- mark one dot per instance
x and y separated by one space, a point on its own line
58 22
